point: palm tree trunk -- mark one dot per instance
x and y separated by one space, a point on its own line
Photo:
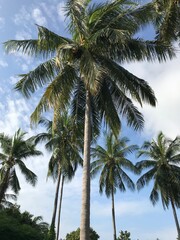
60 204
4 184
175 218
56 199
85 207
113 215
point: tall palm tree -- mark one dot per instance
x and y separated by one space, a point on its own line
64 140
111 162
162 158
14 151
85 70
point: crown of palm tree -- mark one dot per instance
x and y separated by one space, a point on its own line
102 37
14 150
162 159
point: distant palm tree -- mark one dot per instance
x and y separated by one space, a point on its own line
14 150
86 69
111 162
162 158
65 141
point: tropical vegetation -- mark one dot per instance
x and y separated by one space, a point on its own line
161 162
14 150
111 162
65 145
87 87
85 72
75 235
21 225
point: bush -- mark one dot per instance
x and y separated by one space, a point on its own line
15 225
75 235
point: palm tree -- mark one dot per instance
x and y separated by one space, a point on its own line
64 140
162 165
167 19
14 151
85 70
111 162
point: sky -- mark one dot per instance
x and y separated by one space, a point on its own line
134 212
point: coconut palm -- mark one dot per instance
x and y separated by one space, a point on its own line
14 151
65 142
85 70
111 162
162 158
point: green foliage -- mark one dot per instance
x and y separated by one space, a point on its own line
111 162
14 150
161 162
124 235
51 234
15 225
75 235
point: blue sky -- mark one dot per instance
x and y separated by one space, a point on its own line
134 212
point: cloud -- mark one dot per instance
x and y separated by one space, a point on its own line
164 79
38 17
15 116
3 63
22 17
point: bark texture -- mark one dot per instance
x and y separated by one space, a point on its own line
85 207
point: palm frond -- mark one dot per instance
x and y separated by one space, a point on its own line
14 182
28 174
37 78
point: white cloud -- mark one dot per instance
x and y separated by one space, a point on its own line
16 115
164 79
38 17
22 17
3 63
2 107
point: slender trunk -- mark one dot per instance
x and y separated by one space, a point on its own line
60 204
56 199
4 185
113 215
175 218
85 207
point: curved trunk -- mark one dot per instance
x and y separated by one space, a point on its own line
4 185
56 199
113 215
175 218
60 204
85 205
